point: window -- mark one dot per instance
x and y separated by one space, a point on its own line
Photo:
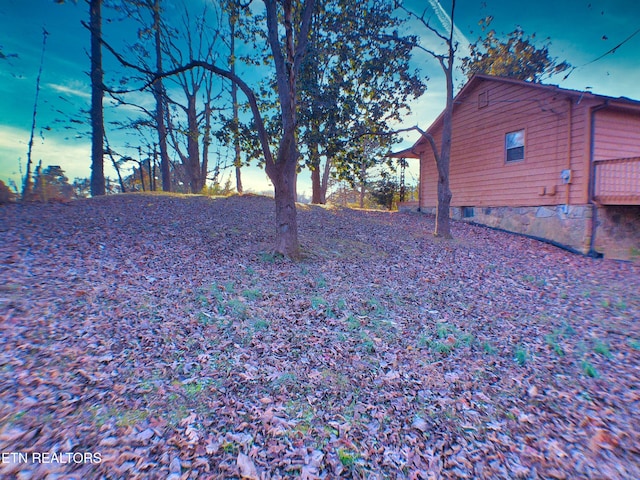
514 146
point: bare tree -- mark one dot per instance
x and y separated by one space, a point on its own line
233 13
192 83
159 96
97 93
442 154
288 51
28 182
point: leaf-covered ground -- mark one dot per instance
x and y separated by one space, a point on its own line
159 333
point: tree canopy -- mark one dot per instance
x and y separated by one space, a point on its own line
356 79
516 56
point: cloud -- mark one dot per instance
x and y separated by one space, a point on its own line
445 21
69 90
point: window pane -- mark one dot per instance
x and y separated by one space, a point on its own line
515 139
515 154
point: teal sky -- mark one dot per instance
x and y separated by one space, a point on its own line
580 32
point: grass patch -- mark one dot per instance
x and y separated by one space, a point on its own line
466 338
602 348
423 340
317 302
128 418
589 370
347 458
367 344
374 305
353 323
193 389
236 307
552 341
230 448
521 355
621 305
442 347
252 294
261 325
488 348
568 330
287 379
443 330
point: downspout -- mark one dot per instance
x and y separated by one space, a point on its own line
420 182
592 178
569 151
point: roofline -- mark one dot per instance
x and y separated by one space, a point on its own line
406 153
620 102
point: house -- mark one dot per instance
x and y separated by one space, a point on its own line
556 164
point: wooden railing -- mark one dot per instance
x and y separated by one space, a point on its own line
617 181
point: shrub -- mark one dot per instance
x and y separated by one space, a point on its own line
6 195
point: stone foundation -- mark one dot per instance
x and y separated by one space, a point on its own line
618 234
567 226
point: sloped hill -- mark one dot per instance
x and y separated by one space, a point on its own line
158 335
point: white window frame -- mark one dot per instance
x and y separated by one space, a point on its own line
515 140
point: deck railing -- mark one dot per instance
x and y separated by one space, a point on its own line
617 181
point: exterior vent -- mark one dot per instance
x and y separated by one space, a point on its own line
483 99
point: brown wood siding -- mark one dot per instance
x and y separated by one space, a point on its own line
616 135
479 175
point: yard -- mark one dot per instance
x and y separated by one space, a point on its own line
156 337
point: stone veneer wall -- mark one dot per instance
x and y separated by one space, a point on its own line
618 234
567 226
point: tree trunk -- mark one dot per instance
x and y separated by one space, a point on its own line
141 170
193 147
317 195
239 187
237 161
283 176
158 93
28 185
324 184
206 141
116 166
97 118
152 186
443 228
444 192
363 176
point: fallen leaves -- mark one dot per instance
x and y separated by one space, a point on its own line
247 468
152 330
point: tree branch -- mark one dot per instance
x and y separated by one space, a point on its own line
425 135
251 96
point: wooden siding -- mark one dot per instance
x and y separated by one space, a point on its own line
616 135
479 175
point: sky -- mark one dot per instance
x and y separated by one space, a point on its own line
580 31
